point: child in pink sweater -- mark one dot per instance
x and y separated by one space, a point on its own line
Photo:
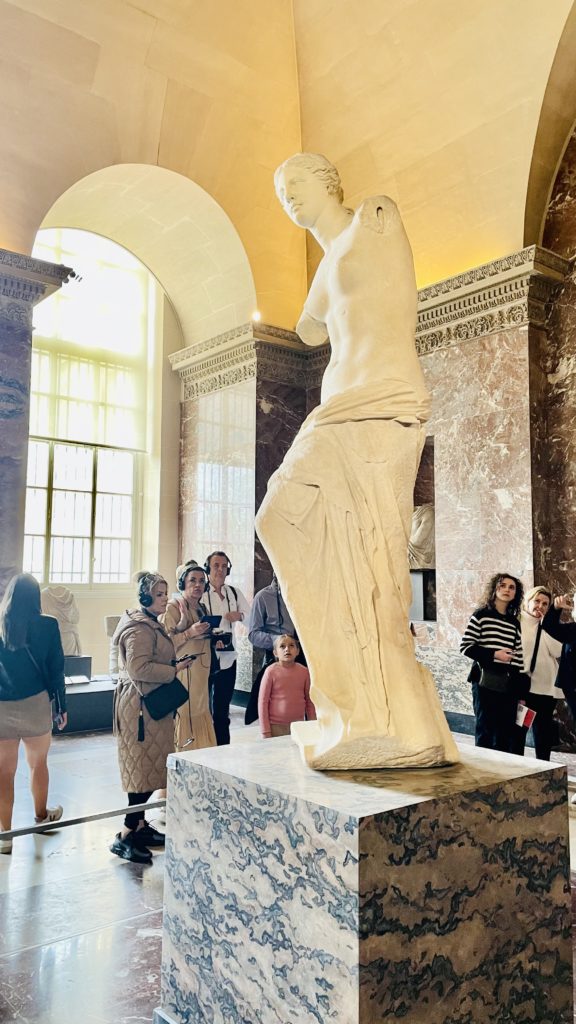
285 691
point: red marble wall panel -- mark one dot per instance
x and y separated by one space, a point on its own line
481 427
556 524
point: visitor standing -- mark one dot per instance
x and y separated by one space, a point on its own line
492 639
182 620
285 691
31 675
229 604
541 654
147 662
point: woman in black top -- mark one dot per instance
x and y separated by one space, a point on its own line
492 639
31 673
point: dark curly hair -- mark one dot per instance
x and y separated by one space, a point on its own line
489 595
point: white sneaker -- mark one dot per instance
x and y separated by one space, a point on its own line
573 798
52 814
5 846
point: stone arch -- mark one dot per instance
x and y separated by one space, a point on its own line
555 126
178 231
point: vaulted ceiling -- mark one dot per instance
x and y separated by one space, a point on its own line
457 109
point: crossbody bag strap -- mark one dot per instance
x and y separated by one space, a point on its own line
4 673
42 673
536 646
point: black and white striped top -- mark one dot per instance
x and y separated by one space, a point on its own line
490 631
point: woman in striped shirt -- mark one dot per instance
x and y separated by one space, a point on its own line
492 639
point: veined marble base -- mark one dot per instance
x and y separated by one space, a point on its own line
293 896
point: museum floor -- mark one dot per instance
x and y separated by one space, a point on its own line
80 930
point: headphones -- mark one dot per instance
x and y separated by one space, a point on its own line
188 566
211 556
145 598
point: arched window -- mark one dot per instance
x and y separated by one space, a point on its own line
88 419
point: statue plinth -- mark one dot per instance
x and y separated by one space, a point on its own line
300 896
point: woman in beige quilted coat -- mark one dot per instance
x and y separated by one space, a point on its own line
146 660
194 726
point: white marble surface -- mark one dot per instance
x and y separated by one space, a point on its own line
276 765
337 516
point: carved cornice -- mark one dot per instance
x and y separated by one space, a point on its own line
510 292
190 356
268 332
29 280
289 366
247 352
218 371
26 293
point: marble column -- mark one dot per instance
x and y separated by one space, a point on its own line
482 340
23 283
244 396
558 381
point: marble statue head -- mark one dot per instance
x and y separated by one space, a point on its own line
304 183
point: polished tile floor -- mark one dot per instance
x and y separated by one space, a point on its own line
80 930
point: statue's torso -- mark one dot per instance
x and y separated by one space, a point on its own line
365 292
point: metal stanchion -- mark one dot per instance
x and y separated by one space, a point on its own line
52 826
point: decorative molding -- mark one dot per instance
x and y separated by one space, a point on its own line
26 281
225 377
510 292
222 370
15 314
24 292
513 291
189 356
245 352
288 365
30 266
268 332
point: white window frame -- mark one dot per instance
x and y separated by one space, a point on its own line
136 496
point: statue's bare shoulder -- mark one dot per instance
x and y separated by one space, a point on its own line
379 214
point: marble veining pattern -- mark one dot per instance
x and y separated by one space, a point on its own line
251 897
437 895
463 911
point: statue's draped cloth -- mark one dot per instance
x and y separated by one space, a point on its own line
336 522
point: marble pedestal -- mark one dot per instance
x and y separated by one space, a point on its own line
439 895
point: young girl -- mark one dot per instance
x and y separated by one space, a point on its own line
285 691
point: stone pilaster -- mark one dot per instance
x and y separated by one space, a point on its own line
244 396
286 376
23 283
482 341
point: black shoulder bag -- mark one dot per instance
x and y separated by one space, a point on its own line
501 679
165 699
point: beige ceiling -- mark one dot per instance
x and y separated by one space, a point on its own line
446 105
206 88
437 104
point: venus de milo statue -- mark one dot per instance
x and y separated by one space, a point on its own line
337 516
